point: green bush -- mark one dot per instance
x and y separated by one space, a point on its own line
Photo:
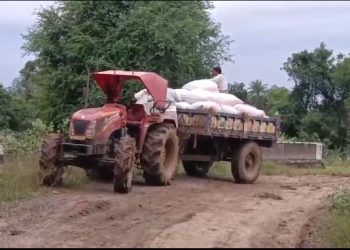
28 141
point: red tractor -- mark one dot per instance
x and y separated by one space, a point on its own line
108 141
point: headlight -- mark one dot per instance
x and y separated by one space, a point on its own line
90 130
71 129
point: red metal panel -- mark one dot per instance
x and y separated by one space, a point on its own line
111 82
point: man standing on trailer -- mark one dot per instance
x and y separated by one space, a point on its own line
219 79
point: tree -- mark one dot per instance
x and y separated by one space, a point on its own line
257 94
311 72
14 112
238 89
24 84
5 99
321 95
277 99
341 81
176 39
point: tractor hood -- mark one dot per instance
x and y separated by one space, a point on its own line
92 114
97 123
112 83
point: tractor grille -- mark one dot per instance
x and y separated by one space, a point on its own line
80 126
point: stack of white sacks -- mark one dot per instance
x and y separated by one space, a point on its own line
202 95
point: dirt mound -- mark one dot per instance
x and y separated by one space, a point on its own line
86 207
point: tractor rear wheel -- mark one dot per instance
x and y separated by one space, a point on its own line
246 163
124 161
50 170
160 155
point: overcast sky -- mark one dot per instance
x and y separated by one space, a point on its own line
265 34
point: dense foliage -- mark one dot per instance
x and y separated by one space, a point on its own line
27 141
15 113
321 96
176 39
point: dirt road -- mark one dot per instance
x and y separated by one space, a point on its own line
190 213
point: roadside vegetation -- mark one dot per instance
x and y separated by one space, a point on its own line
335 231
332 166
19 175
19 178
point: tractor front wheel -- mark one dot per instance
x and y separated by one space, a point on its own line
124 161
50 170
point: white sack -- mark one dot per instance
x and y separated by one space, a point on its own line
143 96
181 92
229 110
206 106
173 96
204 84
225 99
250 110
182 105
196 96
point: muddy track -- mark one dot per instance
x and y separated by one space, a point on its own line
190 213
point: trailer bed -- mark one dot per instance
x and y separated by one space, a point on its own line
227 125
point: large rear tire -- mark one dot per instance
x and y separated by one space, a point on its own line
124 161
246 163
160 155
196 168
50 170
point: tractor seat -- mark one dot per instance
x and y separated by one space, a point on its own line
135 114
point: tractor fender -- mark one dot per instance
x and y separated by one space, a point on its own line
150 122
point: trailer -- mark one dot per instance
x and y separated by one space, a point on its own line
206 138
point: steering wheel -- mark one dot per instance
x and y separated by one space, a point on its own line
160 110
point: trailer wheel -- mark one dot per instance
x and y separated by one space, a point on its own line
124 165
50 170
246 163
196 168
160 154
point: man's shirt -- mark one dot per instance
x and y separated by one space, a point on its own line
221 82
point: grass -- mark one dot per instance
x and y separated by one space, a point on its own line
19 178
337 168
341 168
335 232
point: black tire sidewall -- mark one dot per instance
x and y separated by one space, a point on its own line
50 172
155 173
239 171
